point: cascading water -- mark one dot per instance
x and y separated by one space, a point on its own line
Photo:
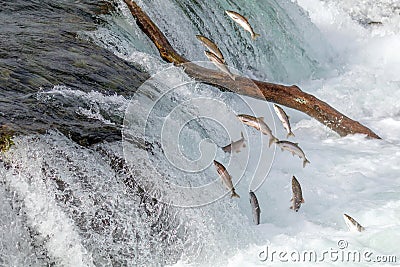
76 192
291 49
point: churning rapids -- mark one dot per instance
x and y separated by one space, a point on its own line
83 182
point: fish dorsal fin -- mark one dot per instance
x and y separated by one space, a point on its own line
261 118
246 17
302 200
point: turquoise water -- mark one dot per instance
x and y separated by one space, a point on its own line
88 178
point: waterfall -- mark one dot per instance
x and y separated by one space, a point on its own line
115 166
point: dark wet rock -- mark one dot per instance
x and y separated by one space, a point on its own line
42 45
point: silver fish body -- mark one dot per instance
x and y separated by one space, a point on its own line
211 46
219 63
259 124
226 178
284 118
294 149
235 146
297 198
255 207
243 22
352 224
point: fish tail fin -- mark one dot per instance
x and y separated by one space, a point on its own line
226 149
234 195
272 140
290 134
305 161
255 35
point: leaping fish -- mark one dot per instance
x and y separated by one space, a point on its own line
211 46
297 198
242 21
259 124
294 149
219 63
255 207
235 146
226 178
284 118
352 224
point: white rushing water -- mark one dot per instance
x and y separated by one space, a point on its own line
82 210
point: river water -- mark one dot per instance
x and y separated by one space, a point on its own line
106 133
